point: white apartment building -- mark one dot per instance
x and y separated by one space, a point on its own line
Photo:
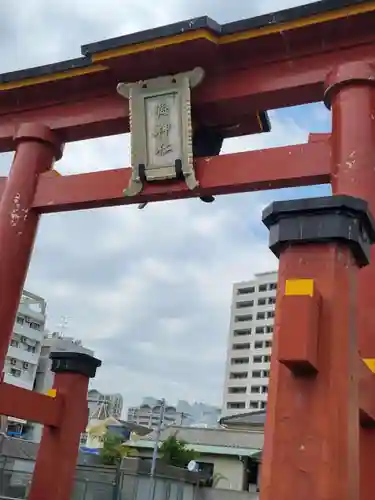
55 342
148 415
24 349
102 406
250 344
44 379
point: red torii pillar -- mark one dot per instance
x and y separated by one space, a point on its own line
37 147
350 94
57 457
311 449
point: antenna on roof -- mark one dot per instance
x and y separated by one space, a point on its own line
63 325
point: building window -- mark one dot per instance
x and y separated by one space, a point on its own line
242 305
242 346
13 361
262 302
265 373
268 343
236 406
261 315
238 333
244 291
258 344
269 329
31 348
34 326
83 438
20 320
259 329
244 317
236 390
256 374
238 375
264 389
239 361
262 288
270 314
14 343
25 365
263 404
271 300
273 286
257 359
15 373
254 405
255 389
267 359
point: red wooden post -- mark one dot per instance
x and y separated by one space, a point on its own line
36 149
311 449
57 456
351 95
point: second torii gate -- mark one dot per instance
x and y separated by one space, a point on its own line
190 85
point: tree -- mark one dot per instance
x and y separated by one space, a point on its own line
175 452
113 450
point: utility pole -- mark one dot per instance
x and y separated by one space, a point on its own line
155 451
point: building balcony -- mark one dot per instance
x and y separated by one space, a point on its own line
23 355
25 381
25 331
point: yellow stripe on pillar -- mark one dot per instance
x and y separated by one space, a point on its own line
299 287
370 363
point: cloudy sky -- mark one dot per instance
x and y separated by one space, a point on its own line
148 290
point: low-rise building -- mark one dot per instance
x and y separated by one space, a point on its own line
226 455
102 406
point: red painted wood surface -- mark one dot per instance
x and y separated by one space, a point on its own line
300 353
311 448
19 223
366 397
269 86
57 456
353 173
29 405
301 165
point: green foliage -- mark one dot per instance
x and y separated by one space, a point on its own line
113 450
174 451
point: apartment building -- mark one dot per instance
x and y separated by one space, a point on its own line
44 379
24 349
102 406
249 344
54 342
148 415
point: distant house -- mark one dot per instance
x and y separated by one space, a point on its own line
96 430
224 454
249 421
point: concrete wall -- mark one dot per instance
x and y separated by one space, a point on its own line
230 467
210 494
227 465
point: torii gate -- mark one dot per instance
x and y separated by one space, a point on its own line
320 433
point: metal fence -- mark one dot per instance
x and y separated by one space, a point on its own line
94 483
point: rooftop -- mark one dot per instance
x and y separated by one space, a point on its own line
206 440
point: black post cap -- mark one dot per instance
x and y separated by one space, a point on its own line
340 219
74 362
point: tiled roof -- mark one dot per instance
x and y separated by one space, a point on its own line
213 437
